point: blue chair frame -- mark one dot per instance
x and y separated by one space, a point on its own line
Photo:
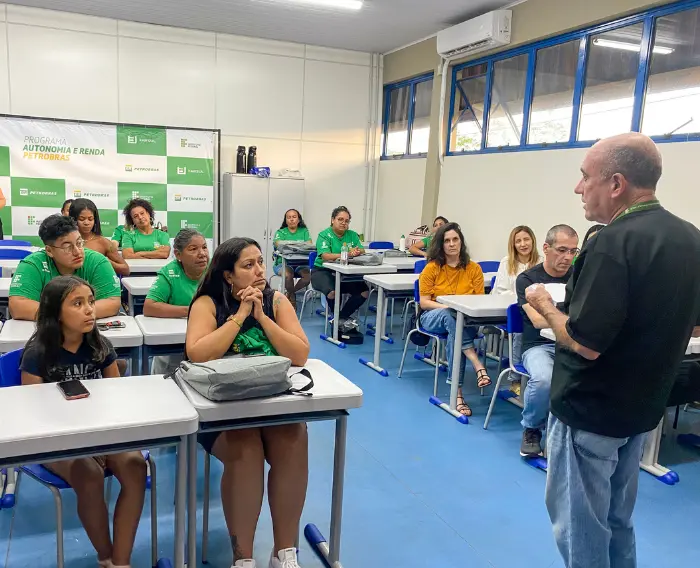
514 325
489 265
374 245
13 253
13 243
10 376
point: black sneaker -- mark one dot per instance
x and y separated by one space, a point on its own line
532 443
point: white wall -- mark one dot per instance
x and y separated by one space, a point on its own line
400 198
489 194
304 107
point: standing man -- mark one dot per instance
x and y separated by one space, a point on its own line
632 303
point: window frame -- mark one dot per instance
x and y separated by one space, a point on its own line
647 18
388 89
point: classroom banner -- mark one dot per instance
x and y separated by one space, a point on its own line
45 162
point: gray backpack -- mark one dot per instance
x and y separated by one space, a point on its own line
367 259
295 247
239 378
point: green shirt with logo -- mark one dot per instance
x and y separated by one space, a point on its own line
140 243
330 243
302 234
173 286
35 271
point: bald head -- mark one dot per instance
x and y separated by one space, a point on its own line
632 155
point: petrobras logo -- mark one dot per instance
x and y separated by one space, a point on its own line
23 191
132 140
94 194
77 193
178 197
132 168
182 171
128 167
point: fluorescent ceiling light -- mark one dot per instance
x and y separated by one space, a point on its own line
344 4
630 46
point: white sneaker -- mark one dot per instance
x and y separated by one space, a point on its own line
286 558
244 564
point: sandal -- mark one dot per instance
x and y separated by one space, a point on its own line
463 407
482 378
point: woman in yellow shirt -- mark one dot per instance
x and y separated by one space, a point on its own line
450 271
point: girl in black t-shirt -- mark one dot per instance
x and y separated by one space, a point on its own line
67 345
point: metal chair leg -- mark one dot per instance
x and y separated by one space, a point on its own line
205 507
494 396
405 348
154 513
108 490
437 365
59 526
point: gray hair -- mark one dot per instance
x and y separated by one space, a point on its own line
554 231
641 167
183 238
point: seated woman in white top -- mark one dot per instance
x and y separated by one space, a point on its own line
522 255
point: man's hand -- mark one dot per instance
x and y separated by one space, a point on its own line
538 297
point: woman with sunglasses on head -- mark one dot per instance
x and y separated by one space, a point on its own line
420 248
293 229
86 215
67 346
449 272
236 312
140 238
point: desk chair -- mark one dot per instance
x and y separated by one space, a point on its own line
310 292
439 340
417 269
13 254
514 324
11 243
10 376
374 245
489 265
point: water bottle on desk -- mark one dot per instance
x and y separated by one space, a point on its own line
344 253
402 243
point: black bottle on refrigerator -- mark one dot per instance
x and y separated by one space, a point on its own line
241 161
252 158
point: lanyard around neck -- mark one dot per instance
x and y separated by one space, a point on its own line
652 204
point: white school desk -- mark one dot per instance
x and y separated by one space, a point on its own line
349 271
333 396
403 263
8 266
385 283
650 457
161 336
124 414
137 288
294 261
5 292
479 310
143 266
16 333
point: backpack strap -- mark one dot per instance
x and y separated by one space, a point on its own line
303 391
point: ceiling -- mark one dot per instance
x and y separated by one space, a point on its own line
380 26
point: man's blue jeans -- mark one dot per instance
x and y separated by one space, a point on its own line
538 361
591 491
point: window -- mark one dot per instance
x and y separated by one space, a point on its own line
611 75
672 101
552 107
468 112
507 99
407 117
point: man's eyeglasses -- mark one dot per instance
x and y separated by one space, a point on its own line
564 250
68 247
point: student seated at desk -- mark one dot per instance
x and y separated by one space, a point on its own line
64 253
86 215
421 247
235 311
522 255
449 272
560 248
65 346
329 244
171 294
293 229
143 240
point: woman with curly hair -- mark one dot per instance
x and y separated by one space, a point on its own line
142 239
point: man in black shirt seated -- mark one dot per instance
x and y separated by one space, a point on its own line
633 301
560 248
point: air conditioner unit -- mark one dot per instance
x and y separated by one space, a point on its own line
482 33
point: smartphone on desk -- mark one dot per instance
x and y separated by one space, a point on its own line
73 390
107 325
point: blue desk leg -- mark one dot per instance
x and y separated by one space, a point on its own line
650 458
330 554
381 322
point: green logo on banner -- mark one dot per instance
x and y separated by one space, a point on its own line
38 192
139 140
109 219
190 171
6 218
156 193
5 162
202 222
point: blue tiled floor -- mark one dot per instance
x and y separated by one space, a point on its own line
421 489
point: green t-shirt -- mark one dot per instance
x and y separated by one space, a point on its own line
330 243
426 241
139 242
119 234
35 271
302 234
173 286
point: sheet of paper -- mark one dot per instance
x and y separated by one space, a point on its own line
557 291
